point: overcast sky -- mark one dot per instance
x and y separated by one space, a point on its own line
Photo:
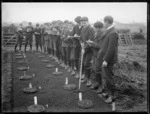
46 12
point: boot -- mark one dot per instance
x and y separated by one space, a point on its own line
82 76
100 90
88 84
69 69
99 80
87 76
94 86
77 75
84 80
94 81
73 72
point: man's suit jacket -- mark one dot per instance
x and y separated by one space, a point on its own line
65 41
87 34
76 30
98 40
109 48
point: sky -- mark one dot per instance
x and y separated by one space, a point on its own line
47 12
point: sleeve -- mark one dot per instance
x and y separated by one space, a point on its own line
91 34
113 40
73 31
33 30
95 45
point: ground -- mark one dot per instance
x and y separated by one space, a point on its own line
131 90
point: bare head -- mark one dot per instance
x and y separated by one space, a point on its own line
78 20
98 26
30 23
108 21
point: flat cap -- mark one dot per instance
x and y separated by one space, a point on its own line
66 21
77 19
37 24
98 24
84 19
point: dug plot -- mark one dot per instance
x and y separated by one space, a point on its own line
131 78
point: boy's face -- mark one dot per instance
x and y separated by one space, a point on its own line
106 24
96 29
84 23
70 27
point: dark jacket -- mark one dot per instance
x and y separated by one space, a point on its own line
66 41
29 31
37 32
76 30
98 40
109 49
86 34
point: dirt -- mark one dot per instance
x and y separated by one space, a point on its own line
130 78
52 91
6 81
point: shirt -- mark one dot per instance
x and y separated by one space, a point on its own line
110 27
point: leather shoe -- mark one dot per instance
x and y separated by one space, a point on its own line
109 100
99 91
94 86
73 72
82 76
84 80
77 75
88 84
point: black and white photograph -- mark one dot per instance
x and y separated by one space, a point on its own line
74 57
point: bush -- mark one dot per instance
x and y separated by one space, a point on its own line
138 35
123 30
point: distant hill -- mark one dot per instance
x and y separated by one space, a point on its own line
134 27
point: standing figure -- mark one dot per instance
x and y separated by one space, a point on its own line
19 37
70 49
45 43
29 36
65 45
38 40
96 44
76 33
87 33
107 57
42 34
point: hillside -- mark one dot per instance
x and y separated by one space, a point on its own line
134 27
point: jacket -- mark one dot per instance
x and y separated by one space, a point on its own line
109 47
98 40
66 41
86 34
76 30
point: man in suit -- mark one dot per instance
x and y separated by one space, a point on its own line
87 33
29 36
65 45
42 34
76 32
19 37
96 44
38 40
107 57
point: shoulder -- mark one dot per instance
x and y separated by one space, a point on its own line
76 26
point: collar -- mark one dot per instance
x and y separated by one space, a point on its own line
79 26
110 27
